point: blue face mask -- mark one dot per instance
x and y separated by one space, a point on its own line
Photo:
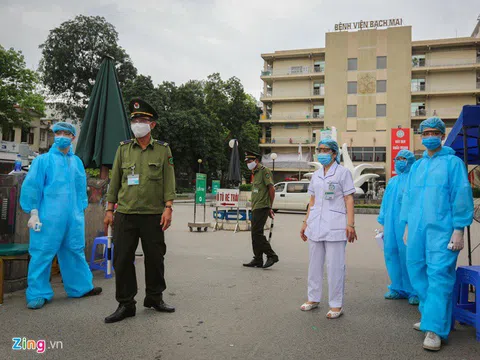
63 142
324 159
432 142
400 166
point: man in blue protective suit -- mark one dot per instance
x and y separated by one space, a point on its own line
437 206
54 193
395 250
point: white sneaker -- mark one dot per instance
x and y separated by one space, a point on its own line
416 326
432 341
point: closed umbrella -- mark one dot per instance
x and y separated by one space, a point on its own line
105 123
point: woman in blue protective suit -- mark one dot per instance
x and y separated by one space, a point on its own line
54 193
395 251
437 206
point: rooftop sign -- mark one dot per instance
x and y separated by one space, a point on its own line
361 25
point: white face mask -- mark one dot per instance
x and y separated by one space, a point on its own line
252 165
140 130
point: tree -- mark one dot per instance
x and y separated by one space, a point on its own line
18 96
198 119
71 58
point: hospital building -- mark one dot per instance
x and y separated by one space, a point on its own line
370 78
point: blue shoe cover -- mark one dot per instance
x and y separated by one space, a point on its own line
393 295
36 303
413 300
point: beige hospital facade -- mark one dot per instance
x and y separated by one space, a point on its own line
364 83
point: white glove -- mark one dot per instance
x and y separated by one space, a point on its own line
405 235
34 219
456 241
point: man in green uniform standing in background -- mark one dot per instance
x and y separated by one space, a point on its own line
143 186
263 194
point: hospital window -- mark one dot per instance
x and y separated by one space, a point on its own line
381 86
352 64
381 62
351 110
352 87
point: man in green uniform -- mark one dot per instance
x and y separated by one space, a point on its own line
143 187
263 194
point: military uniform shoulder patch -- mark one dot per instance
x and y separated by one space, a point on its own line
124 142
170 160
161 142
267 175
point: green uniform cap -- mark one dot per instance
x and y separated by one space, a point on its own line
140 108
251 155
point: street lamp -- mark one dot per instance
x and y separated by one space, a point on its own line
273 156
199 164
231 143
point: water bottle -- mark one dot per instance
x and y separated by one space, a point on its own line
18 164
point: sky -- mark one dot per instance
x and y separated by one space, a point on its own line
190 39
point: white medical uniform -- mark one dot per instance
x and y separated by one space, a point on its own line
326 232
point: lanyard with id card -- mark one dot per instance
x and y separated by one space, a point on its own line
330 193
133 179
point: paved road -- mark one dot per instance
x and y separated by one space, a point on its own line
225 311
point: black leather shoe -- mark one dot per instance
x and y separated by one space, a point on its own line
121 313
254 263
270 261
159 306
93 292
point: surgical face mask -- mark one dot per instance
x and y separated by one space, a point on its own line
63 142
140 130
324 159
252 165
432 142
400 166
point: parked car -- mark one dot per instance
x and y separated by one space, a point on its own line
291 195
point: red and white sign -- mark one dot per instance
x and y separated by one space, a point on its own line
227 197
400 140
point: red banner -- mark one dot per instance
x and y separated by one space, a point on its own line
400 140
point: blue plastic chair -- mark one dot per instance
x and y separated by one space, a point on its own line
464 311
102 240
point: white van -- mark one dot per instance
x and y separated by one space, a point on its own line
291 195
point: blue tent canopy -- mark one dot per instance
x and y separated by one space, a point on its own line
468 123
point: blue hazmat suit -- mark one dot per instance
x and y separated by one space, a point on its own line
395 250
438 200
56 186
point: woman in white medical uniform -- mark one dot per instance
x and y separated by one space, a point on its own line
328 226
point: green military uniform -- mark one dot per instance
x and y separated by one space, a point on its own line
262 178
154 165
142 181
261 206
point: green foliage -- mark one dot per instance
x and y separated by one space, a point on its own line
246 187
367 206
17 87
476 192
198 119
71 58
94 173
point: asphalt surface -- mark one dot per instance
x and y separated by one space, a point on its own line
226 311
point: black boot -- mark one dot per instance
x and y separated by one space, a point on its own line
270 261
158 305
93 292
254 263
122 312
